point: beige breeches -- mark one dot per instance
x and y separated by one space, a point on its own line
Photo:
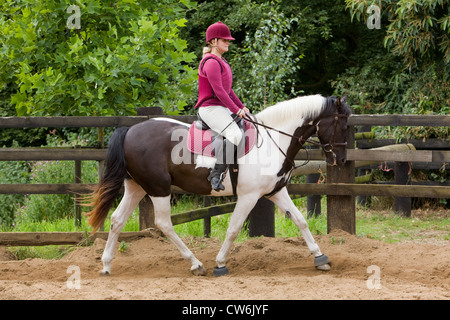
219 119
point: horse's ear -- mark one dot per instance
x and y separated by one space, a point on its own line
340 102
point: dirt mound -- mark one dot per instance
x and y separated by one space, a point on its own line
5 255
261 268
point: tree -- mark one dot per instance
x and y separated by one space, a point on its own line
283 48
407 70
418 31
98 57
270 60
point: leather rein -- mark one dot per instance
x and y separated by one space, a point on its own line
327 147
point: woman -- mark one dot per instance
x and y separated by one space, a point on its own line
217 101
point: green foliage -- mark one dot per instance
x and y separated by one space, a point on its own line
282 48
270 60
407 70
129 54
38 207
379 88
123 247
18 136
11 172
126 54
417 30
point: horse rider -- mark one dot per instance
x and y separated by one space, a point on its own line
217 103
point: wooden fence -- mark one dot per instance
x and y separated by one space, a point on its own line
340 188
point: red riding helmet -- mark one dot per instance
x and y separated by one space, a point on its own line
218 30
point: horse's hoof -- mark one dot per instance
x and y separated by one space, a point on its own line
220 271
198 271
322 263
105 273
324 267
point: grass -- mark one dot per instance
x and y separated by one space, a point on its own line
381 225
389 227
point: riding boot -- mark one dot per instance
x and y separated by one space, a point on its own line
217 174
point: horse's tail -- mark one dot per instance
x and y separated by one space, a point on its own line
107 190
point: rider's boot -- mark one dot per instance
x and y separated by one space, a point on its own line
217 174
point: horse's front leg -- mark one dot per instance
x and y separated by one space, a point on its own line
244 204
284 202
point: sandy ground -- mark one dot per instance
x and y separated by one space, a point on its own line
261 269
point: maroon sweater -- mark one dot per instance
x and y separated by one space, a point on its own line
215 80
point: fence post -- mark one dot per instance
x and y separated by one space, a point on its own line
100 145
363 200
146 210
101 163
313 206
207 220
77 198
402 205
261 220
341 209
146 213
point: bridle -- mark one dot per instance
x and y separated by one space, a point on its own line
327 147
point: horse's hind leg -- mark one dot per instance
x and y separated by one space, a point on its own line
284 202
164 223
133 194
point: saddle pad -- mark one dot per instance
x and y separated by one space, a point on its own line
200 141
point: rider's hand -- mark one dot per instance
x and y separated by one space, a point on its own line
243 112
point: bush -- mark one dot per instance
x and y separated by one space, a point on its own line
407 72
270 59
122 55
51 207
11 172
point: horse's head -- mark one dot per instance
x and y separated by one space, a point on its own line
332 130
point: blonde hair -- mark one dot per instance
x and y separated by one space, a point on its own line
208 47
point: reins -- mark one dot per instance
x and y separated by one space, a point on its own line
328 147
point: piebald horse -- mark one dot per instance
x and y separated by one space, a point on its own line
142 159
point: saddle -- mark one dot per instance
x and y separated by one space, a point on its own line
204 141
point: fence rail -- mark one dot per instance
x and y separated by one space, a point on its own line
352 189
340 188
64 238
43 154
112 121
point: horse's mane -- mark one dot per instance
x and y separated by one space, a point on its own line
305 107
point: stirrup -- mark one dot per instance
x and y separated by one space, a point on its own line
216 177
218 186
